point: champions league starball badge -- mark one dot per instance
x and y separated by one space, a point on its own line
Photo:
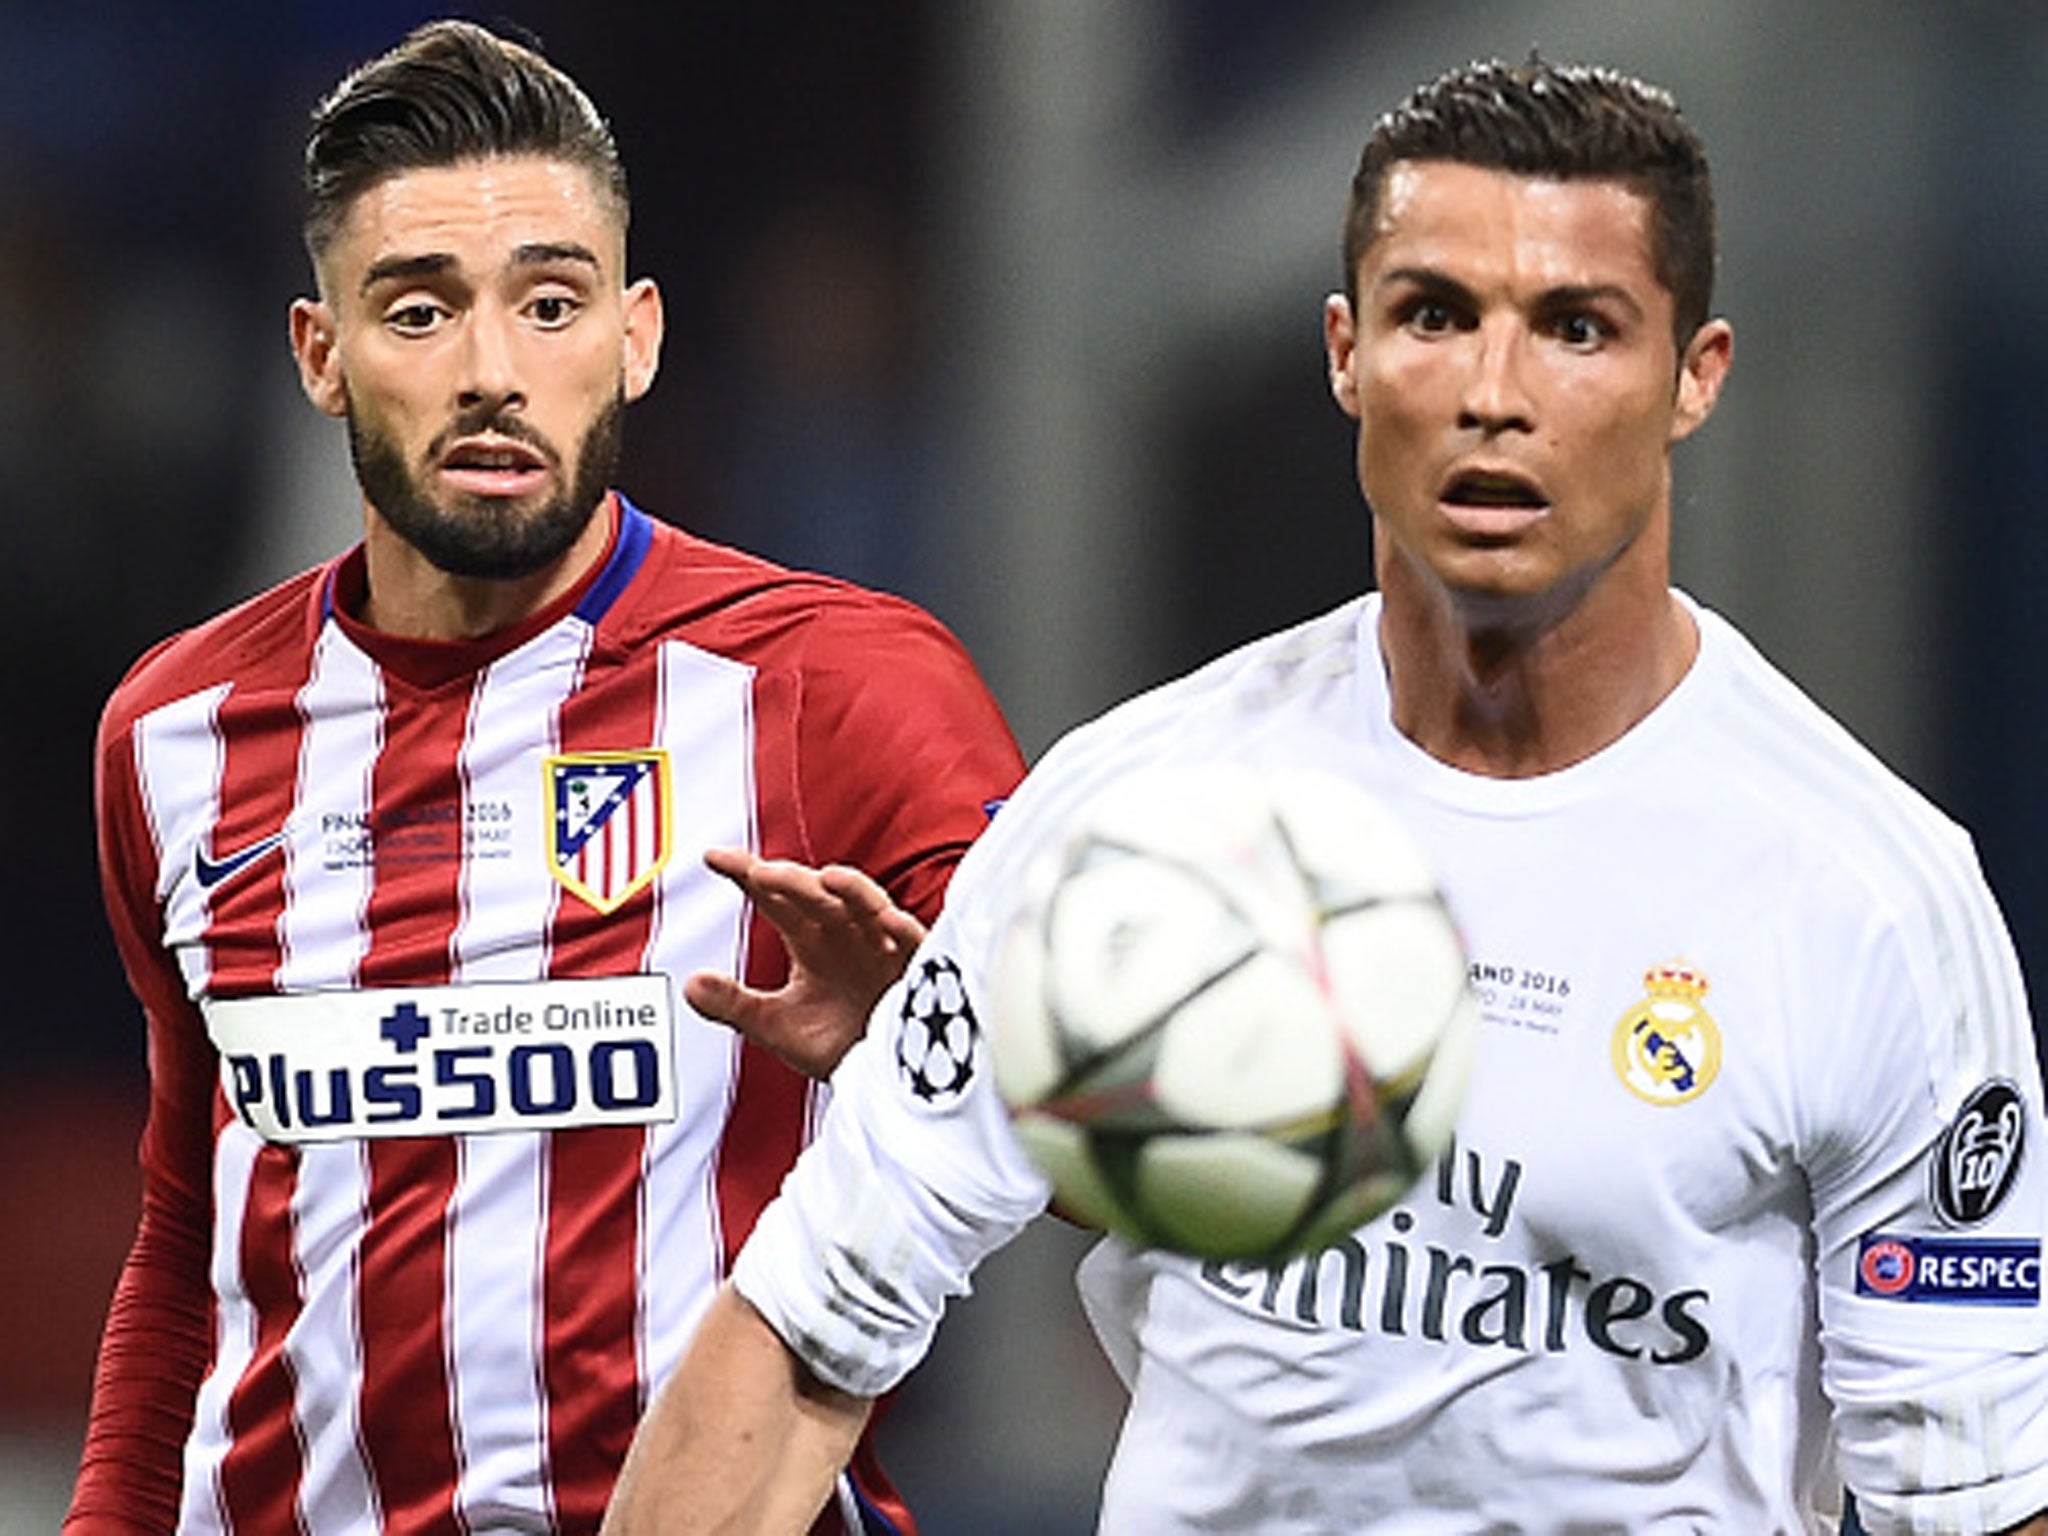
936 1033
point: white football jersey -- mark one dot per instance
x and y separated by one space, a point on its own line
1746 1199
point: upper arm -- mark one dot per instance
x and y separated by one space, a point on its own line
1930 1211
903 750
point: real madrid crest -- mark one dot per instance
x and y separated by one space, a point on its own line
1667 1049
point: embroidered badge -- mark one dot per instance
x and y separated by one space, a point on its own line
610 831
1667 1049
1974 1164
1958 1271
936 1033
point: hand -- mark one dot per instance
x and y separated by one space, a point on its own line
847 942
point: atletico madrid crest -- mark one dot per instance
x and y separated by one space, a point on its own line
610 832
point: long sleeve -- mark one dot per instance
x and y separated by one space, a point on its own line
153 1350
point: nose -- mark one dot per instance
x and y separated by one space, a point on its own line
1496 397
490 370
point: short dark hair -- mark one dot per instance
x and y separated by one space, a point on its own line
1566 121
453 91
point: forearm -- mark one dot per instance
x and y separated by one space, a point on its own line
152 1354
741 1441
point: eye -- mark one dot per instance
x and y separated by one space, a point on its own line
1430 317
1581 330
552 311
416 317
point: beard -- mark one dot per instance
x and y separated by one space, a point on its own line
482 536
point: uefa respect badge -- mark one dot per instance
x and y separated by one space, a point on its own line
1962 1271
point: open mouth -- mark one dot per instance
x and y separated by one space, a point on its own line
493 465
1493 490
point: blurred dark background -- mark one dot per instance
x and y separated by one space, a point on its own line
1013 308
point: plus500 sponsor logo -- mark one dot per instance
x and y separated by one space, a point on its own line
431 1064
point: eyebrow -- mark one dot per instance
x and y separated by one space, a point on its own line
547 252
1425 278
1577 295
386 268
535 253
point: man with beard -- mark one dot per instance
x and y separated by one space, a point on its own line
404 859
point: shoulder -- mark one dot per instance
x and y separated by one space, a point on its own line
733 602
1883 889
1811 779
274 629
867 689
1268 700
1223 707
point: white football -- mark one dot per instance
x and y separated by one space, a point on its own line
1232 1015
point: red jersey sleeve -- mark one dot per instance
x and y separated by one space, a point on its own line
155 1344
902 753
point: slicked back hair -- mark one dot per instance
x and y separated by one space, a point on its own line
1565 122
452 92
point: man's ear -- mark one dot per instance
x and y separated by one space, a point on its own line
1340 345
644 325
1701 373
318 357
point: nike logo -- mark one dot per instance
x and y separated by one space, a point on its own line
210 872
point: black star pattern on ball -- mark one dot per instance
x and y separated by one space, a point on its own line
935 1042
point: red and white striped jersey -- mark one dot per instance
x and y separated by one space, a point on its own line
440 1169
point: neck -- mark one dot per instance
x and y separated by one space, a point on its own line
1514 700
409 596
